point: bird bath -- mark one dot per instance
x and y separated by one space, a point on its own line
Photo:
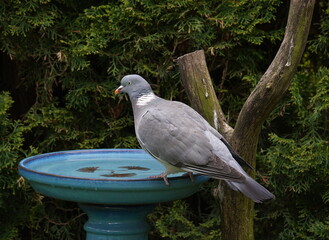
112 186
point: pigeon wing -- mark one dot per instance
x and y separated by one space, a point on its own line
235 155
173 135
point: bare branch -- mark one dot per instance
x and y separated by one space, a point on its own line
276 80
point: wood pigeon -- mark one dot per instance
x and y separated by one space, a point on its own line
182 140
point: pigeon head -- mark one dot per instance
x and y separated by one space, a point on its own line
134 85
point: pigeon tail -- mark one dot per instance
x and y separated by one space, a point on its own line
252 189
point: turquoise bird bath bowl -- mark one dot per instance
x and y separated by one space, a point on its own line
112 186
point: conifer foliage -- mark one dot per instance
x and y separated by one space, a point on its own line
62 59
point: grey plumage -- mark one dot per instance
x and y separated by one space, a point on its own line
182 140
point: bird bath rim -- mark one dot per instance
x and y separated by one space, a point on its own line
115 191
24 162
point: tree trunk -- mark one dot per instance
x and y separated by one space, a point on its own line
237 211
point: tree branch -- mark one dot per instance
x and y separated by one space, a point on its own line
276 80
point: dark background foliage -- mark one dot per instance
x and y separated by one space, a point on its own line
61 60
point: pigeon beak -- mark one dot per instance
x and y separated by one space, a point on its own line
118 90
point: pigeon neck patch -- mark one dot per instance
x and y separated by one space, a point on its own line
145 99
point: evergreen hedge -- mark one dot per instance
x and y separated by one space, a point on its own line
62 59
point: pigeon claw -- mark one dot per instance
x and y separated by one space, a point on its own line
163 176
190 174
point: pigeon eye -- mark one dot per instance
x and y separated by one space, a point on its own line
129 83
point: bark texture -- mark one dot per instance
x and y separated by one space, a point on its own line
237 211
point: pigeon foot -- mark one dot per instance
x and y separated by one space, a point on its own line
163 176
190 174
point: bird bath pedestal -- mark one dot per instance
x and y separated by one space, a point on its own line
112 186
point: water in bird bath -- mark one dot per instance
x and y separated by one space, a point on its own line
120 171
